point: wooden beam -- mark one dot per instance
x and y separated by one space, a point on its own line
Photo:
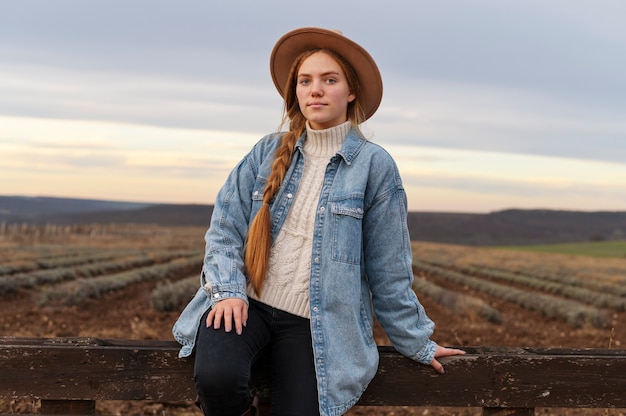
490 411
498 378
94 369
504 378
68 407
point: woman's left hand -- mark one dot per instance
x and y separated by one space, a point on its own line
443 352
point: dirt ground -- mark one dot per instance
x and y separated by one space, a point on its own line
127 314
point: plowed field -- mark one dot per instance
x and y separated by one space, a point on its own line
128 311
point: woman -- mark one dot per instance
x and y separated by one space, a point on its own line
307 240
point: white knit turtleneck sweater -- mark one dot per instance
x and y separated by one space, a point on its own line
286 286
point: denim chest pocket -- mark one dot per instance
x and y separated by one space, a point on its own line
347 223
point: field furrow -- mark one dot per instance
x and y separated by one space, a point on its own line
574 313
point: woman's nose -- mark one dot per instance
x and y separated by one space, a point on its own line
317 88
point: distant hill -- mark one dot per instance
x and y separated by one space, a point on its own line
34 209
163 214
42 210
516 226
508 227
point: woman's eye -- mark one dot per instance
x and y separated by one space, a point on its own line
331 80
303 82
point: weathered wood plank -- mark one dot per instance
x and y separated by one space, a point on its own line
490 411
68 407
94 369
505 377
523 378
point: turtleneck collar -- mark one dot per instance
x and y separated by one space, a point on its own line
327 142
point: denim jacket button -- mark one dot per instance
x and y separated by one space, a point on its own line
216 295
316 259
290 195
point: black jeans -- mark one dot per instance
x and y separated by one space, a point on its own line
224 363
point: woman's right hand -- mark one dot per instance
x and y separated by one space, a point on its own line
443 352
230 310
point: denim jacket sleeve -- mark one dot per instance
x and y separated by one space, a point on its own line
222 274
388 265
236 204
222 270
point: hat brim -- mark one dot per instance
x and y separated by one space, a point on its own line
294 43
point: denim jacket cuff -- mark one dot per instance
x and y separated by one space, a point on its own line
227 291
426 354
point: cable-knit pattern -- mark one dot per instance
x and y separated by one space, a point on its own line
286 286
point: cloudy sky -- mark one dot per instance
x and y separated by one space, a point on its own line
488 104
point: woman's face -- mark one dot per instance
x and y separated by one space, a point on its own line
322 91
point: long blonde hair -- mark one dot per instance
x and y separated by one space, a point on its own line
259 238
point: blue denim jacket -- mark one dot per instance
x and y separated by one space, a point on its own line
360 264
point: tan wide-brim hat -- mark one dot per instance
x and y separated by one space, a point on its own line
294 43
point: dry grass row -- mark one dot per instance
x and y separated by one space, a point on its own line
93 268
574 290
173 296
457 302
78 291
574 313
